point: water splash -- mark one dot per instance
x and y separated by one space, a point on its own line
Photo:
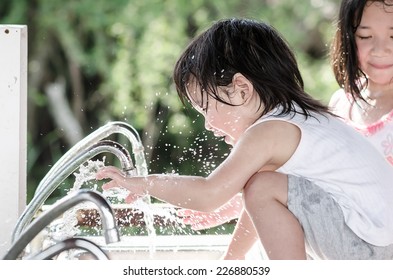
67 226
85 178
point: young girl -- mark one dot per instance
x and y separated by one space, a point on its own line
311 184
362 58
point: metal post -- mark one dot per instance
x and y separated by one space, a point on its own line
13 128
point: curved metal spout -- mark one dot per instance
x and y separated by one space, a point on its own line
63 171
71 243
97 135
111 232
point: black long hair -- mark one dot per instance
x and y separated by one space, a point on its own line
343 53
254 49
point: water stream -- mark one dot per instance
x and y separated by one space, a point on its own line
85 178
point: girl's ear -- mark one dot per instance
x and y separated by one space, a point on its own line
242 86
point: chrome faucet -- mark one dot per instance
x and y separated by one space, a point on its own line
88 147
71 243
54 178
97 135
111 232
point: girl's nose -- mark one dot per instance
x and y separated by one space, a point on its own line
380 48
208 126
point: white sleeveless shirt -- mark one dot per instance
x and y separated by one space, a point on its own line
342 162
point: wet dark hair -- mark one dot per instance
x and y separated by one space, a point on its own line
343 53
252 48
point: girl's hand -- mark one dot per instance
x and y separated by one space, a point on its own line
200 220
120 180
203 220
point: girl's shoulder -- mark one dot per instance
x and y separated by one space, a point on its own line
340 96
336 97
341 103
272 139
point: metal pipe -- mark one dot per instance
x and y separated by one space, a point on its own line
68 244
64 171
101 133
111 232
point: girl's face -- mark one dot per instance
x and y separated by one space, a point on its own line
222 119
374 39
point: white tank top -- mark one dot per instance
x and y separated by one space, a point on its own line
342 162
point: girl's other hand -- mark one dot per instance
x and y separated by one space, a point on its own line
203 220
200 220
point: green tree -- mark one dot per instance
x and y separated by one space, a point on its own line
113 60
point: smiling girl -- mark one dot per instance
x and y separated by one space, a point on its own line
362 58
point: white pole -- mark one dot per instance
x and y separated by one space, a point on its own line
13 127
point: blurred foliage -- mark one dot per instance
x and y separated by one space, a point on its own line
117 58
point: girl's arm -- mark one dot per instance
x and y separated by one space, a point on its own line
264 146
192 192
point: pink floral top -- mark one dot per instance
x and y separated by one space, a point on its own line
379 133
